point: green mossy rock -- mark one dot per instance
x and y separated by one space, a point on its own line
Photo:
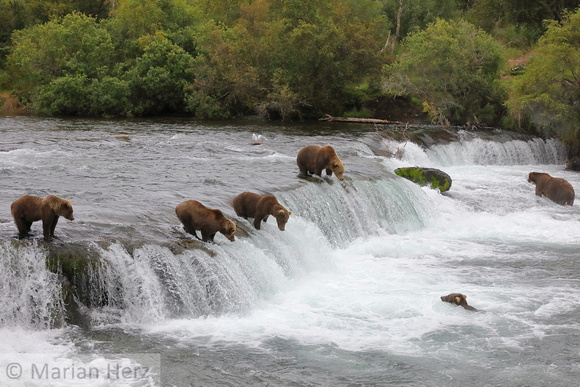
432 177
77 266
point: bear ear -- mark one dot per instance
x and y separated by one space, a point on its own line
464 296
289 212
335 165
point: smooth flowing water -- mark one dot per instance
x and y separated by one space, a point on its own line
349 294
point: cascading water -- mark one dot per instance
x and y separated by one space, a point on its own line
497 151
347 294
32 295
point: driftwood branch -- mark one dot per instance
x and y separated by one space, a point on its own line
330 118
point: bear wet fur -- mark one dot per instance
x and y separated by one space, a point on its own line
195 216
458 299
29 209
554 188
260 207
315 159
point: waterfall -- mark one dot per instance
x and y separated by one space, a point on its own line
502 150
151 282
31 295
185 278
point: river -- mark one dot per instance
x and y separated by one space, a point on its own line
348 295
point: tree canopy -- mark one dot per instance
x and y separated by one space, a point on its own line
466 62
547 94
454 69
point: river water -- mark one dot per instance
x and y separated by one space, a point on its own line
348 295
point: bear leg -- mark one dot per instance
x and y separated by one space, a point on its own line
206 235
329 171
48 225
23 227
257 221
191 231
53 226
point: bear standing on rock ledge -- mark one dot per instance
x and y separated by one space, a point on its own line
260 207
29 209
554 188
196 216
315 159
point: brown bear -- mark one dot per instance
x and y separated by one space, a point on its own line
29 209
573 164
554 188
196 216
315 159
260 207
458 299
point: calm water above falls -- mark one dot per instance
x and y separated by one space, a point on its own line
347 295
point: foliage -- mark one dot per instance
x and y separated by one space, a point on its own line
19 14
160 78
291 59
548 92
68 67
295 60
418 14
454 69
74 45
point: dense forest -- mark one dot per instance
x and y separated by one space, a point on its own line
508 63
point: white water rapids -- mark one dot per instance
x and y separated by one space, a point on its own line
349 294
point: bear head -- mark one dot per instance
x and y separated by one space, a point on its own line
534 176
66 210
60 206
228 229
281 214
338 168
455 298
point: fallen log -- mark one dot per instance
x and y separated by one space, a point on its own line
330 118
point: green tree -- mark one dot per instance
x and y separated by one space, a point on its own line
517 22
453 67
133 19
295 57
412 15
548 91
160 78
328 50
19 14
74 45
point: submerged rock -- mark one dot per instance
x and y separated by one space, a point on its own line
432 177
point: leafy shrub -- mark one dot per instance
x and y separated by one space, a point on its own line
454 69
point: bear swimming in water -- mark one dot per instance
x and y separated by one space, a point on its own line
458 299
